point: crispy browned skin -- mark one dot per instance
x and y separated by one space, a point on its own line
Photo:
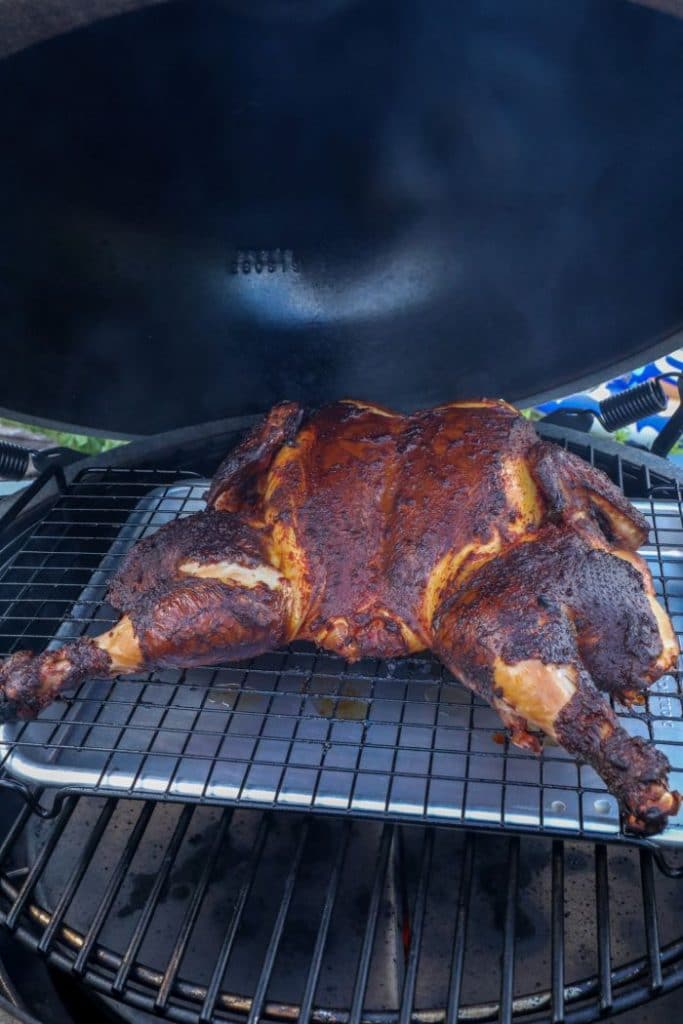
374 534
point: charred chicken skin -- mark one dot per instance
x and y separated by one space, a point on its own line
379 535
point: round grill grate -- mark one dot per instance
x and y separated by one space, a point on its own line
201 914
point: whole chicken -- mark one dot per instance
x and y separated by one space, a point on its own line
374 534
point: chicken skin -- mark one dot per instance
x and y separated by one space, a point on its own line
374 534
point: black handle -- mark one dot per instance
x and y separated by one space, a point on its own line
14 461
671 431
669 434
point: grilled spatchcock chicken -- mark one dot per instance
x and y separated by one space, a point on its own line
379 535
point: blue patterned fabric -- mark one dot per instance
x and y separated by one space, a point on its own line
644 431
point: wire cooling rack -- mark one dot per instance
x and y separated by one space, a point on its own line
298 727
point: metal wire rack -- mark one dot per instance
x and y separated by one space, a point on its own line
297 728
199 914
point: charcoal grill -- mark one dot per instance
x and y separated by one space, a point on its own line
204 213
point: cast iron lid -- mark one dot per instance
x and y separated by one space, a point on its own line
206 207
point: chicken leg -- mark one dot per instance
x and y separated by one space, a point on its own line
197 592
520 632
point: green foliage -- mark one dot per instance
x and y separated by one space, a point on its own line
79 442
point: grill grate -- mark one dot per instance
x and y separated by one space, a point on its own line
299 727
202 914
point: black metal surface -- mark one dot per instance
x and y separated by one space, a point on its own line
603 928
328 923
115 882
651 923
557 927
190 919
507 983
412 932
228 942
266 971
313 974
160 882
401 201
460 936
672 429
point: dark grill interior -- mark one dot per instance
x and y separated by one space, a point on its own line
206 914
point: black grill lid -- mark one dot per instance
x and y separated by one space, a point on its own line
206 209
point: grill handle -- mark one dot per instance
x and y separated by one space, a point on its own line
672 430
16 462
627 407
